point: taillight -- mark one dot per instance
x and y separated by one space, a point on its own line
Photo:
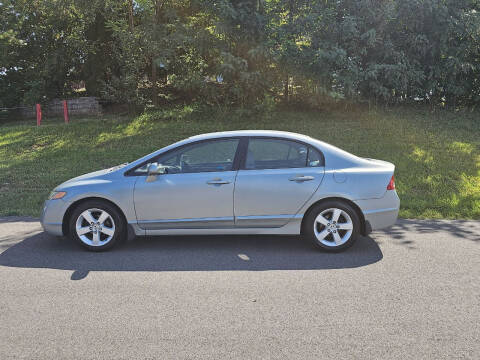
391 184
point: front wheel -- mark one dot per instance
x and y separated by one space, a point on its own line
332 226
97 225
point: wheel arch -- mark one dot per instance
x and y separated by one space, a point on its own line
364 226
75 204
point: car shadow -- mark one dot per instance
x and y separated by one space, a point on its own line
187 253
461 229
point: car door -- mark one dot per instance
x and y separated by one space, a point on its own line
195 190
277 178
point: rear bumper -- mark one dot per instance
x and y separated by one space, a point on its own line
381 213
382 219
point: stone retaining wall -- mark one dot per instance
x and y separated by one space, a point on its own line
77 106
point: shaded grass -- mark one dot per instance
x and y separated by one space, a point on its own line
436 155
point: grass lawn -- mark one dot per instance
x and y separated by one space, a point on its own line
436 155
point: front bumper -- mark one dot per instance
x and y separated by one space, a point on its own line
381 213
52 216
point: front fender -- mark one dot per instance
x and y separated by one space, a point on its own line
119 193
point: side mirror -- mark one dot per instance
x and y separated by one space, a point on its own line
154 169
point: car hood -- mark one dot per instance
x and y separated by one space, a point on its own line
95 176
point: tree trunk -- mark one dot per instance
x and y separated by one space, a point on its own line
158 5
154 83
291 38
130 15
285 89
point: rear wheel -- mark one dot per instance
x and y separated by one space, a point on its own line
97 225
332 226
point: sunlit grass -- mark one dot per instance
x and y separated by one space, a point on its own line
436 155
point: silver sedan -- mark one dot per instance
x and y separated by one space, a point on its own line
239 182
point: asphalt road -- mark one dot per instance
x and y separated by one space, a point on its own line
410 293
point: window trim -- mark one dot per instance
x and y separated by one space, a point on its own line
235 164
244 153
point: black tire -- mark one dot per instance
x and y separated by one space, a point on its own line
120 227
309 226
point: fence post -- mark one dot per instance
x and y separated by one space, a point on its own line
39 115
65 111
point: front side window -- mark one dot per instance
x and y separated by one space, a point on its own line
279 153
215 155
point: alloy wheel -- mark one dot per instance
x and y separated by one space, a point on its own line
333 227
95 227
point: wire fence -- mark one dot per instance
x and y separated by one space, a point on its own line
54 109
12 113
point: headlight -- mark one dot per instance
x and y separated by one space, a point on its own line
56 195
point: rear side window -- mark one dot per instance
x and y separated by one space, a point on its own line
279 153
314 158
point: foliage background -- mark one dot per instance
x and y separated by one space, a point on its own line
147 53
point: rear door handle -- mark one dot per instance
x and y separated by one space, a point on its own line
301 178
218 182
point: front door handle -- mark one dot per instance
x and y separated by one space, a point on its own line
301 178
218 182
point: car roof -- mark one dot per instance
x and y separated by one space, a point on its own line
272 133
